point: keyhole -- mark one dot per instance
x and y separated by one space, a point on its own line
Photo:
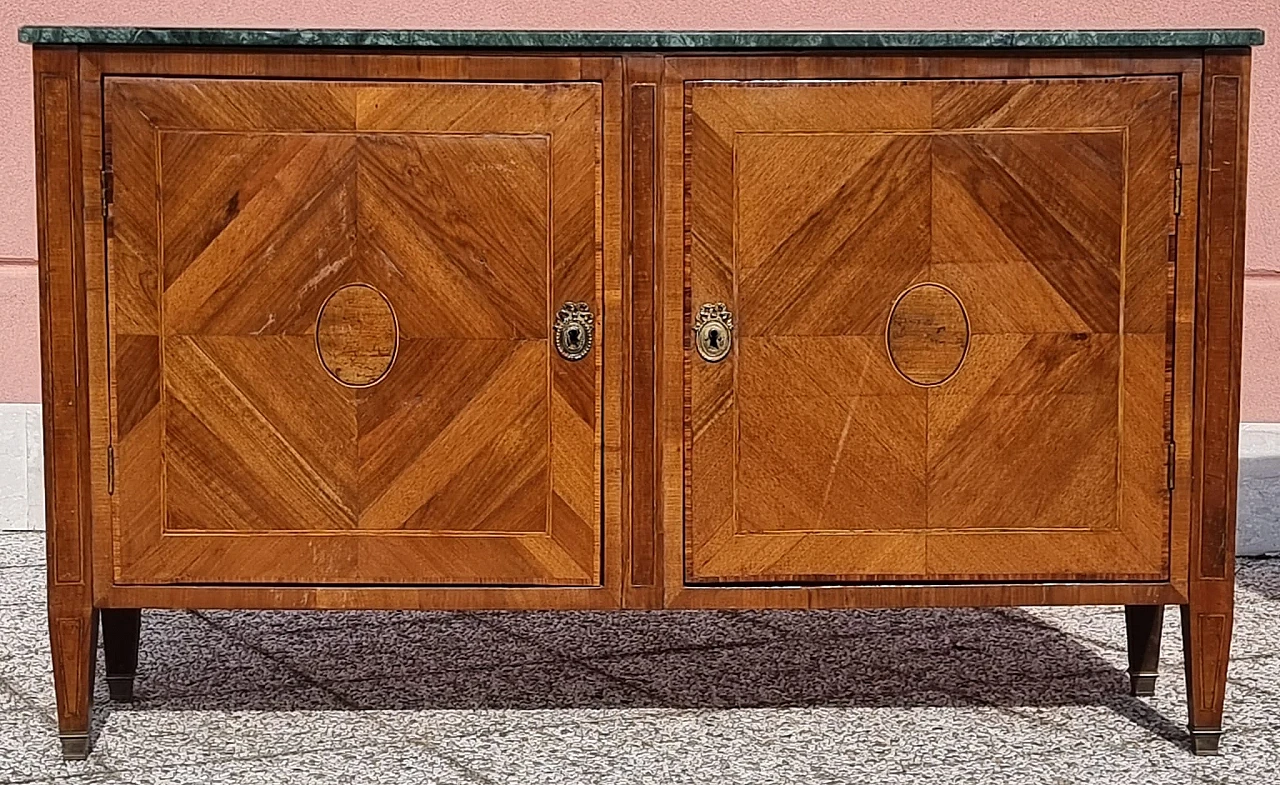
575 340
714 339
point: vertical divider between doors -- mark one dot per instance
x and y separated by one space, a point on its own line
642 551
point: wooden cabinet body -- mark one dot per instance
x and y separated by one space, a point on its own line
305 314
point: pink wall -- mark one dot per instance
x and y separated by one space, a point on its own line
1261 397
19 336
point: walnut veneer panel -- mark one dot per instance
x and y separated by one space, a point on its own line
952 317
330 310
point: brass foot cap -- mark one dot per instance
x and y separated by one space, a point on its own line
1205 742
120 688
75 746
1142 685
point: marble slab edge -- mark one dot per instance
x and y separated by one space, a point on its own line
628 40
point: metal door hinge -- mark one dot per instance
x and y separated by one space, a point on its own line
1171 463
108 195
111 470
1177 190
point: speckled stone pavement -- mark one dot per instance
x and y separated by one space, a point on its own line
918 696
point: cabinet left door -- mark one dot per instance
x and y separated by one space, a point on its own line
332 316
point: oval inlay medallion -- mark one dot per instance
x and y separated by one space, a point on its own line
928 334
357 335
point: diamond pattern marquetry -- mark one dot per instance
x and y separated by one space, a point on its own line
330 312
1006 423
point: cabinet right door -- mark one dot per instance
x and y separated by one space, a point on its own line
949 305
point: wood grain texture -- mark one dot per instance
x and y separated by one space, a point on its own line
1182 357
1207 617
1175 388
641 216
357 335
707 598
345 66
872 595
927 336
611 509
506 474
64 392
92 167
1046 208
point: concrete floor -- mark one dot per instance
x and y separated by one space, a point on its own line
960 696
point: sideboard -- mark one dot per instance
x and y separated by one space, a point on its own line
555 320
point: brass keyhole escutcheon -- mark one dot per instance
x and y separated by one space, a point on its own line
575 328
713 332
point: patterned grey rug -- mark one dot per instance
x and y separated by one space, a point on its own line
956 696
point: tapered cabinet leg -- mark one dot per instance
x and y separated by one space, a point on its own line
1143 624
73 637
120 630
1206 643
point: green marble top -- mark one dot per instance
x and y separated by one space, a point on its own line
603 40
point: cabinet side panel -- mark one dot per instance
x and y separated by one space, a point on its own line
65 389
62 313
1220 292
1207 618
